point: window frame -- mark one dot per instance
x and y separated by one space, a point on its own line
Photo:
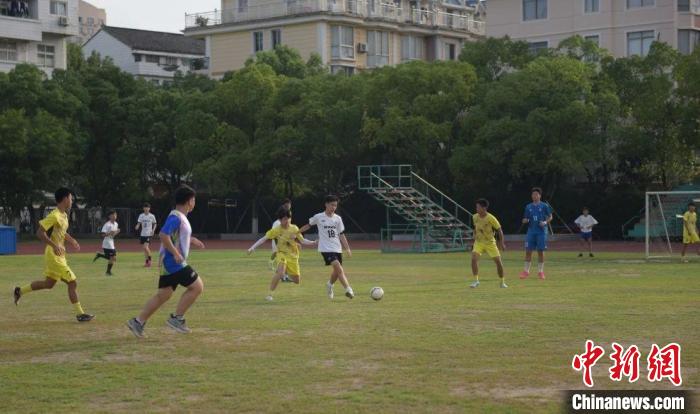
537 16
258 35
641 39
342 50
53 10
377 59
6 51
43 54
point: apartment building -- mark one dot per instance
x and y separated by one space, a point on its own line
348 35
154 56
36 32
623 27
90 20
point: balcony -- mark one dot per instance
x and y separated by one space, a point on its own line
19 20
367 9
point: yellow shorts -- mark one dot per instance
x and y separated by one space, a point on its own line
490 248
58 272
690 238
291 264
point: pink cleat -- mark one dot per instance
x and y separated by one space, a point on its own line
541 275
524 274
147 264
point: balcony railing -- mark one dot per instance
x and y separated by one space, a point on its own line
370 9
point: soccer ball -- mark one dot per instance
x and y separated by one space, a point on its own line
376 293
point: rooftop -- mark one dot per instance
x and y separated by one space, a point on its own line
157 41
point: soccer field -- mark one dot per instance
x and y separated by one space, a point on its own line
431 345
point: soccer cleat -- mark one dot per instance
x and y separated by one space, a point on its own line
590 255
349 293
503 285
136 327
269 298
178 324
84 317
580 255
286 279
108 273
475 284
524 274
97 256
329 290
17 293
540 275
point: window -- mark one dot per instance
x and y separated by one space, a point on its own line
377 49
155 81
258 44
59 8
633 4
534 9
8 50
152 59
90 21
342 42
137 57
46 56
593 38
450 51
638 43
170 61
591 6
688 40
683 5
276 37
345 70
411 48
242 6
537 47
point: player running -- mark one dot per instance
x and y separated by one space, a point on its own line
537 216
287 204
690 230
147 223
109 232
331 242
53 230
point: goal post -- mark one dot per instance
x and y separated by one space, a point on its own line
663 221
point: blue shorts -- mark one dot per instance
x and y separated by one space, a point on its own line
587 236
536 241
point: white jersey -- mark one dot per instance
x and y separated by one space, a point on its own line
586 223
148 224
329 231
108 242
274 245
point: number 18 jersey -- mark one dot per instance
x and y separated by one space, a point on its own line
329 230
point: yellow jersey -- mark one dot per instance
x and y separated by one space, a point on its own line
484 228
690 220
286 239
56 227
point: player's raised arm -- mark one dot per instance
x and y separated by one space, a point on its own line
257 244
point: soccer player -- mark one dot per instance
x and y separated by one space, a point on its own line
690 230
109 232
287 204
175 238
287 257
485 224
537 216
331 242
585 223
147 223
53 230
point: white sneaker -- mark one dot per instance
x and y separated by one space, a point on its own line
475 284
503 285
349 293
269 298
329 290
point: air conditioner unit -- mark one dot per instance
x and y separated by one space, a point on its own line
63 21
362 48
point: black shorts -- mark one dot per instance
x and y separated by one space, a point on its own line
185 277
110 253
329 258
144 240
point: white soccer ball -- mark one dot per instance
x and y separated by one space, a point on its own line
376 293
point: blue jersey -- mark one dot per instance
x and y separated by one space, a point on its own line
537 213
178 228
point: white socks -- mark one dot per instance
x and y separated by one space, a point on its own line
527 266
540 267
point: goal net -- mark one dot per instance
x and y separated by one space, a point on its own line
663 221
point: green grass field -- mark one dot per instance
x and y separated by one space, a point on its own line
431 345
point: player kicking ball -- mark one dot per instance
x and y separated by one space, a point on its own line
287 257
537 216
53 230
331 242
175 238
485 225
109 232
